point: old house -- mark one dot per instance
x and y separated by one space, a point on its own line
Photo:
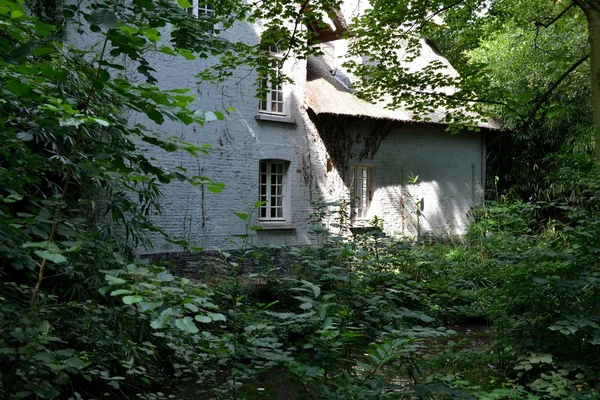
311 142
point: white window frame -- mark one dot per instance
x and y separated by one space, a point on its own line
273 189
199 8
274 101
361 191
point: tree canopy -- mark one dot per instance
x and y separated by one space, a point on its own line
524 61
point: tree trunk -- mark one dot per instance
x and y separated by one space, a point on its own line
591 9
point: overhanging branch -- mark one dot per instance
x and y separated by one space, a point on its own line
544 97
553 20
435 13
463 99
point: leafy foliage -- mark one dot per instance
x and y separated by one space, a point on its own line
525 62
363 317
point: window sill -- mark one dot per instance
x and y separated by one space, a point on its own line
271 226
275 118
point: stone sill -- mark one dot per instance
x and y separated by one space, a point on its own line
275 118
266 226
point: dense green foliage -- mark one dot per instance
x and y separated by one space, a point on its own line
353 318
523 61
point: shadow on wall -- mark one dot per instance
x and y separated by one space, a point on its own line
413 192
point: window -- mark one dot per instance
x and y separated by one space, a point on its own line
198 9
271 83
273 190
273 101
360 191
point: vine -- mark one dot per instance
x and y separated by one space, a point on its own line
344 142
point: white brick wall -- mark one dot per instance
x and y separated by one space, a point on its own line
450 168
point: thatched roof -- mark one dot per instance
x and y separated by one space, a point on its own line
328 92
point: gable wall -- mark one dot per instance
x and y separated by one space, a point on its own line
450 169
450 175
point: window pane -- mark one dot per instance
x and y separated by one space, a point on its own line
206 9
273 97
272 188
359 191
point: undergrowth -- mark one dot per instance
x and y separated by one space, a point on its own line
510 313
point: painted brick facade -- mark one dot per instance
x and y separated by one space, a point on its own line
450 168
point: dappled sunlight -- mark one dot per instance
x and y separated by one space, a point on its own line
424 180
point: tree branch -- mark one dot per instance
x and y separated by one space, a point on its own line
296 24
463 99
586 5
543 98
441 10
431 16
548 24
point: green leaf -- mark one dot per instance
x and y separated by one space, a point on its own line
24 136
14 14
160 321
41 50
315 289
76 363
100 121
165 277
203 318
215 188
44 327
103 17
184 3
216 316
155 116
113 280
119 292
12 198
44 245
132 299
149 305
242 216
54 257
187 325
